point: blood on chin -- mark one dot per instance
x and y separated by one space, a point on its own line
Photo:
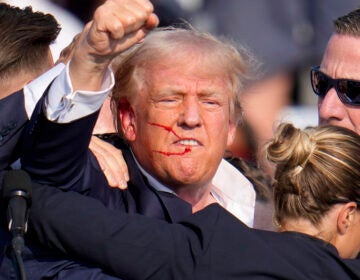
186 150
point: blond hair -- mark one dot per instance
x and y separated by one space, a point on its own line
315 168
164 43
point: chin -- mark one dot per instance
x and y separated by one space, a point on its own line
185 174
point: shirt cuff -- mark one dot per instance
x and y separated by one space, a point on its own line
63 105
35 89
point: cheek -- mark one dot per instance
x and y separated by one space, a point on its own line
219 127
354 117
161 120
156 128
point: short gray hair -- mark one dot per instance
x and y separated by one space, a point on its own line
238 62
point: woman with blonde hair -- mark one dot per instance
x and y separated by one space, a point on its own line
317 188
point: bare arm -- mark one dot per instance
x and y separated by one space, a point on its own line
116 26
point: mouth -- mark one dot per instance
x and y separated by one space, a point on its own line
188 142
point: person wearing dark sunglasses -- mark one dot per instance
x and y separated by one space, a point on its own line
348 91
337 80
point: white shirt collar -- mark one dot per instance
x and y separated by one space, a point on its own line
35 89
232 190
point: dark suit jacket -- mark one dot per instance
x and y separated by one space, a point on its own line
12 121
211 244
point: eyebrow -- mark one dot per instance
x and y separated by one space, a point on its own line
209 92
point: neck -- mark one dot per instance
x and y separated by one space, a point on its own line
13 85
306 227
299 225
198 197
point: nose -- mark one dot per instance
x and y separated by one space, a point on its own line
190 115
330 108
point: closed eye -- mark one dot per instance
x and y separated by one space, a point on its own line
168 101
210 102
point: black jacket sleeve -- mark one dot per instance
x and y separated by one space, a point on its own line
57 154
128 246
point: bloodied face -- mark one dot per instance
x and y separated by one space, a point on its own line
179 125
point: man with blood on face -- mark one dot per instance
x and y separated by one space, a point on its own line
176 99
179 125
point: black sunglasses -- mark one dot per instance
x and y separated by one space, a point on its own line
347 90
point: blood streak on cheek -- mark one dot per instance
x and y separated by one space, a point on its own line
187 148
167 128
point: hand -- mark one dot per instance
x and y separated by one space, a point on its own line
111 162
68 52
116 26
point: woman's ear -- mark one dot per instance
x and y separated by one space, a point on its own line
126 116
346 217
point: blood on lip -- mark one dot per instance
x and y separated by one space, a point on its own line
187 148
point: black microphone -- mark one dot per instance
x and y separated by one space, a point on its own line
17 196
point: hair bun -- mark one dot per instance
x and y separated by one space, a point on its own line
291 146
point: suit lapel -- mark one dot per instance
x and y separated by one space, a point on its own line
177 208
149 202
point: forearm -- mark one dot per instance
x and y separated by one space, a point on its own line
64 104
57 154
55 147
122 244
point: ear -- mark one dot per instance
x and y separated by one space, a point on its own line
346 217
126 116
231 133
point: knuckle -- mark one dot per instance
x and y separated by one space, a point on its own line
130 20
142 14
118 29
99 12
148 6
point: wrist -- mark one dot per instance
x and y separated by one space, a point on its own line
87 72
